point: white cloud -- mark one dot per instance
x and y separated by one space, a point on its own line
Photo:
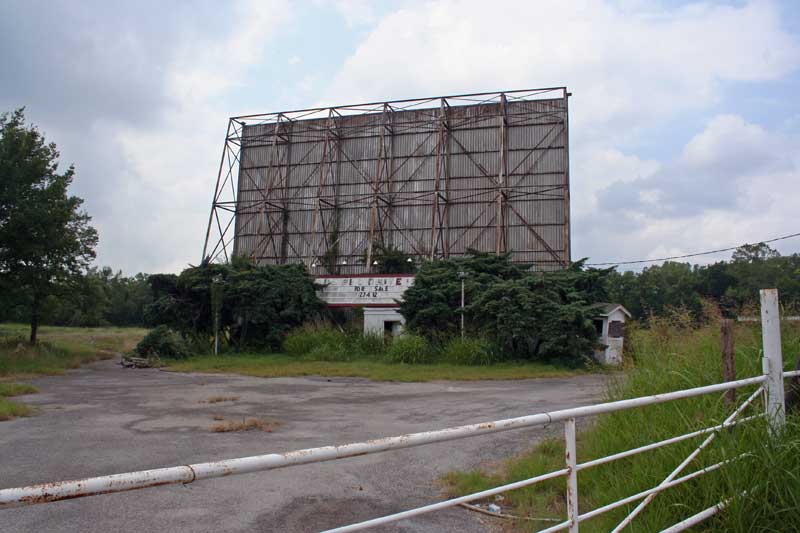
732 183
631 66
595 166
160 219
355 12
142 112
626 66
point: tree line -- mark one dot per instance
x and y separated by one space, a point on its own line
95 298
732 285
46 277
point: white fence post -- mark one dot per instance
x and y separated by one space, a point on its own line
572 476
773 359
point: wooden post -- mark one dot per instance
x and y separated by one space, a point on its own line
728 360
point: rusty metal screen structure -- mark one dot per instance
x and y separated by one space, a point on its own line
433 177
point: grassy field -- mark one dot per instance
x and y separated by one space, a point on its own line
666 358
59 349
283 365
9 409
326 351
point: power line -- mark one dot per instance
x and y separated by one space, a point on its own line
690 255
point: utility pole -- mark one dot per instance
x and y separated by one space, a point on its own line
462 275
216 303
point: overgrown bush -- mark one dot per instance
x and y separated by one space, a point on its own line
303 340
431 305
367 344
332 351
331 344
460 351
164 343
527 315
259 305
410 349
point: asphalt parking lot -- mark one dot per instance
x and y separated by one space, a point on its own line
103 419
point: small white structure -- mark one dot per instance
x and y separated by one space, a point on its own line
383 320
378 294
610 324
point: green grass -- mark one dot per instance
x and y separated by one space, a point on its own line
16 389
59 349
326 351
283 365
666 359
9 409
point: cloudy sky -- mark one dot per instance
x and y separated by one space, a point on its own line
684 119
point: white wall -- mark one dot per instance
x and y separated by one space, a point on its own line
376 317
612 355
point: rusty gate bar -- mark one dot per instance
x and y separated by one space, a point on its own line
62 490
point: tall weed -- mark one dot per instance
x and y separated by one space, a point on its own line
469 352
670 356
410 349
330 344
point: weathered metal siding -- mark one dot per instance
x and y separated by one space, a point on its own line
319 190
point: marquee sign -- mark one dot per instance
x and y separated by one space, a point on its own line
365 290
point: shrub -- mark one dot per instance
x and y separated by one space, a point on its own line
368 346
336 351
257 305
330 344
164 343
469 352
304 340
528 315
410 349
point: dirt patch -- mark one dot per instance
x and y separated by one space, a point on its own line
220 399
315 513
247 424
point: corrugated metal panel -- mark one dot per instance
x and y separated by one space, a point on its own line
316 183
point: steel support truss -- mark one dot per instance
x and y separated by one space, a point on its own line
434 177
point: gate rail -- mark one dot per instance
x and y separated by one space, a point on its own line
770 384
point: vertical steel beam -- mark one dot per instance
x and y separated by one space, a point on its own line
284 196
773 359
501 219
448 143
388 209
336 173
318 218
381 170
260 249
436 216
216 192
572 476
567 234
